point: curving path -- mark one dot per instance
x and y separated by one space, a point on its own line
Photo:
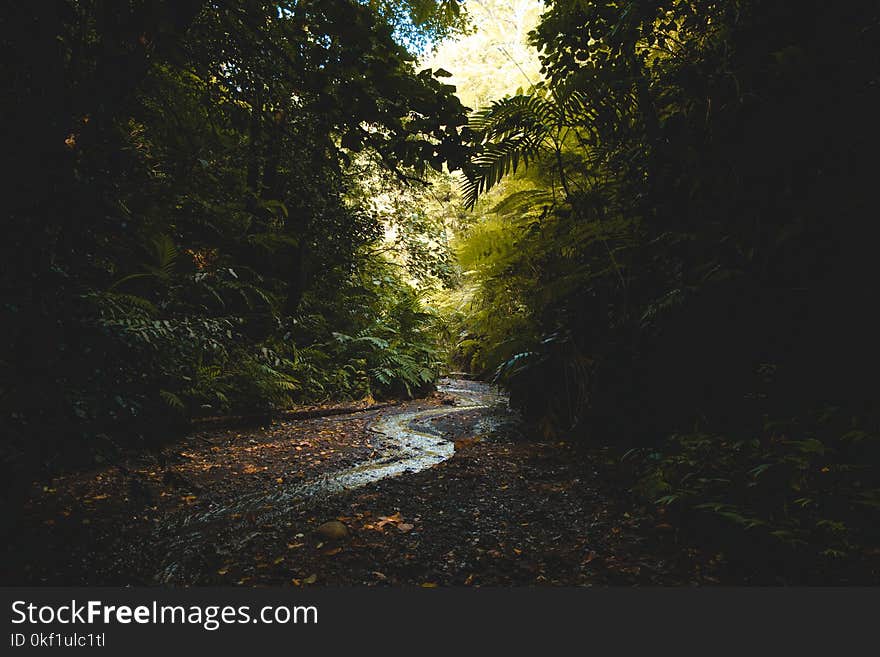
411 444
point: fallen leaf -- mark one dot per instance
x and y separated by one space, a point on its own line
384 520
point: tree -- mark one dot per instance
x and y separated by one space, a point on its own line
182 229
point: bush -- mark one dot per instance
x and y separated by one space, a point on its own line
804 494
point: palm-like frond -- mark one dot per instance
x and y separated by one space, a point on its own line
515 129
508 131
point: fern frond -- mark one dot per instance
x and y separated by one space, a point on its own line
164 252
521 202
172 400
508 131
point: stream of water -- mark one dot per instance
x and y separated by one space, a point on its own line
410 444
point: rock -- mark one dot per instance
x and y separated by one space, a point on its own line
332 530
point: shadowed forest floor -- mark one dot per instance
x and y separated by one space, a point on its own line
501 511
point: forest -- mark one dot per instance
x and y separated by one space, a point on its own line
614 256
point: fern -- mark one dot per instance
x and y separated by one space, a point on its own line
172 400
521 202
163 259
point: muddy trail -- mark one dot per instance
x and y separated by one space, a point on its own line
430 492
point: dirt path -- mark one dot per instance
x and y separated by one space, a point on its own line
431 492
408 443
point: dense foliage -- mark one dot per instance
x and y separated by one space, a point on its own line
232 206
187 229
689 252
